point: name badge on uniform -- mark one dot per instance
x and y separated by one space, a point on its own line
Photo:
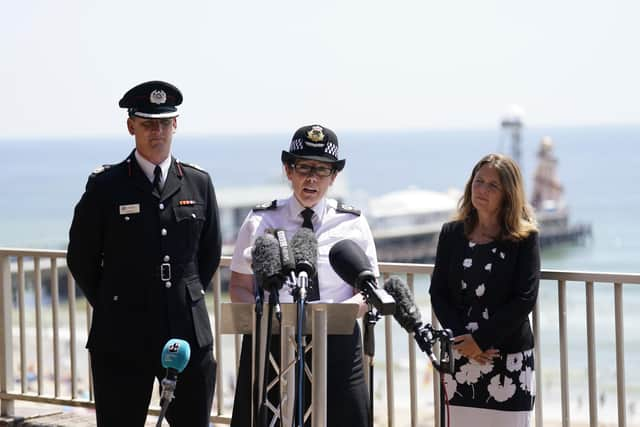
130 209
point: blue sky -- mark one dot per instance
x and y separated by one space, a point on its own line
256 66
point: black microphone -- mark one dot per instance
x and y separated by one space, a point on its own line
305 251
407 312
304 247
408 316
265 262
267 268
352 265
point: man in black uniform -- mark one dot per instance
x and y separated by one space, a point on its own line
143 246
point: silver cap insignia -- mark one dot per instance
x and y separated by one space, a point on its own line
158 97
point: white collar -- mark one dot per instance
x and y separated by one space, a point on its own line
148 167
295 208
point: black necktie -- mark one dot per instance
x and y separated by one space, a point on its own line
307 213
157 173
313 293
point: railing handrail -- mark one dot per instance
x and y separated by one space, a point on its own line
33 252
399 268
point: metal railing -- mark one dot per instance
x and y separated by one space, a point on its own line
59 372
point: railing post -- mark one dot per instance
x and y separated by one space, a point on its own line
591 356
564 357
7 407
622 397
538 364
216 286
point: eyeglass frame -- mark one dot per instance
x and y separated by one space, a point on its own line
313 170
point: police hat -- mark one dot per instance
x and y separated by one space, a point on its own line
152 100
314 142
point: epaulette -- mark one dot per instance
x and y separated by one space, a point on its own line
191 165
97 171
266 206
342 208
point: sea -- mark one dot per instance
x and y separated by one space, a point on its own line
599 166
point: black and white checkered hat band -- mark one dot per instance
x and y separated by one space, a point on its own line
332 149
300 147
296 145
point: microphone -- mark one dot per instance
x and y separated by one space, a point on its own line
266 262
286 256
407 313
305 251
408 316
267 267
305 254
175 357
352 265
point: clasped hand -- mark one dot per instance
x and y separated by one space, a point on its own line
467 346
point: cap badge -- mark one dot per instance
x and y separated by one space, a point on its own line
315 134
158 97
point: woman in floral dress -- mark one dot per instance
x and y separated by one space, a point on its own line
484 285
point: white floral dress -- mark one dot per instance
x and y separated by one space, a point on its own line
504 388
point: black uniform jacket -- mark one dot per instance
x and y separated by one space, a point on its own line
515 284
144 260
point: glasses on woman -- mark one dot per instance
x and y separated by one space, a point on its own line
308 170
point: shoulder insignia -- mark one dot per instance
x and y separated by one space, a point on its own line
342 208
267 206
99 170
191 165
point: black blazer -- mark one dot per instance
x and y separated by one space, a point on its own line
144 260
513 296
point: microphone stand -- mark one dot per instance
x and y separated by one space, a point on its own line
168 387
300 296
259 296
444 363
273 300
369 342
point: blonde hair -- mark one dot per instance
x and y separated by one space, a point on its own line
515 217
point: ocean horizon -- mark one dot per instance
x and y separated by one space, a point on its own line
43 179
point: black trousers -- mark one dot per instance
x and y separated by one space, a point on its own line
123 386
347 394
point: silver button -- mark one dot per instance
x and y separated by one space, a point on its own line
161 206
163 232
166 258
193 215
115 297
126 218
167 285
202 291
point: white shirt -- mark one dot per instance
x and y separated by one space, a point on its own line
148 167
329 225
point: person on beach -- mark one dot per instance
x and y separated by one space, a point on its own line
484 285
143 246
311 166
